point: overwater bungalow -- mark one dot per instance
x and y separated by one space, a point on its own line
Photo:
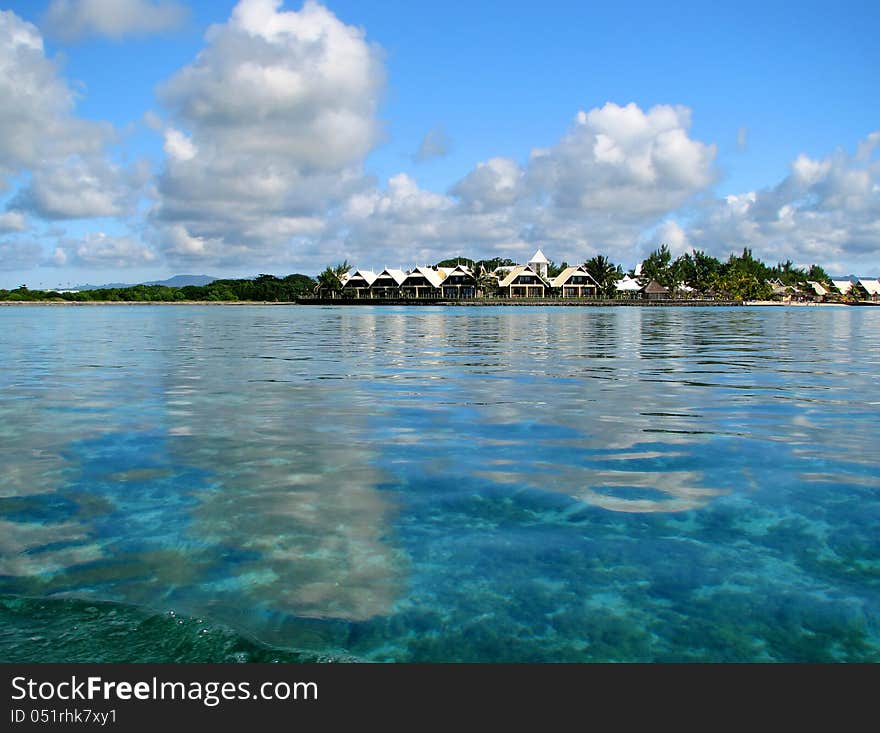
357 284
872 287
820 291
575 282
387 284
523 282
460 282
422 282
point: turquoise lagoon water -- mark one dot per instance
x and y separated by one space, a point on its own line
439 484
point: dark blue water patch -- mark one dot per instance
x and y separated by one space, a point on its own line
50 547
146 492
43 508
504 572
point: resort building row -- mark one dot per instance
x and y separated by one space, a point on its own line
520 281
533 281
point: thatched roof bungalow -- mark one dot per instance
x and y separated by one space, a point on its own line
523 282
575 282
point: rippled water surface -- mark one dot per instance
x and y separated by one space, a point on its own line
486 484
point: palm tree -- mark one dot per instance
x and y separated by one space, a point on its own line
605 273
330 280
487 283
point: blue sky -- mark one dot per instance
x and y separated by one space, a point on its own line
287 138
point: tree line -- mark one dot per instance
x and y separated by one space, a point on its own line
739 277
260 289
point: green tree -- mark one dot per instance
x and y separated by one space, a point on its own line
658 266
553 269
456 261
605 273
330 280
818 274
494 263
856 293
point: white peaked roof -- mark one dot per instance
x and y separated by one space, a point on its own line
432 276
461 270
872 286
367 275
539 259
627 284
564 276
345 277
818 288
397 275
516 272
844 286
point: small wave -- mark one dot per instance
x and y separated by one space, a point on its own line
76 630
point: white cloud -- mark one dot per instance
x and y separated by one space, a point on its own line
493 183
72 20
82 187
36 116
12 221
673 235
435 144
620 182
616 172
808 171
826 211
71 174
272 122
179 146
624 161
867 146
102 250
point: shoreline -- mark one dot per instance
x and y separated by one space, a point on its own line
435 303
795 305
391 302
87 303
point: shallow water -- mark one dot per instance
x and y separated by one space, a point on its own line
427 484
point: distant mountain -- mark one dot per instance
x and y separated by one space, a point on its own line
178 281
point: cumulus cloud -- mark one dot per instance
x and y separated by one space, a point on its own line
12 221
620 182
71 174
272 122
494 183
617 171
435 144
72 20
673 235
82 187
825 211
102 250
624 160
36 117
